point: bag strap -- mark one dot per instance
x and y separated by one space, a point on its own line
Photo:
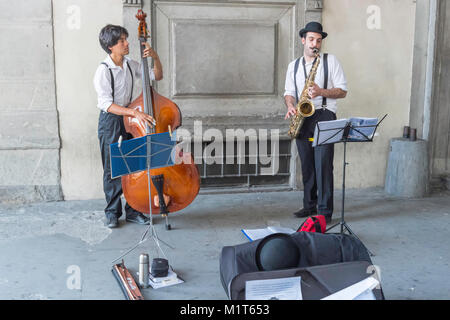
112 79
317 224
325 76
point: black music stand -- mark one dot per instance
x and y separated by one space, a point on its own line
142 154
353 130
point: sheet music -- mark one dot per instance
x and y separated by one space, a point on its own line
274 289
255 234
329 131
364 128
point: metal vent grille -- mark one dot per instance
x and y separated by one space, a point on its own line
248 168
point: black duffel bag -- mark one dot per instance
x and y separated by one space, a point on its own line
314 249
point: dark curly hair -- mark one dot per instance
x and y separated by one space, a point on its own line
110 35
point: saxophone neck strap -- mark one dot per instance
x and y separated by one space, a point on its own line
325 78
325 71
304 66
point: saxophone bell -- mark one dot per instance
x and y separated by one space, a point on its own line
306 108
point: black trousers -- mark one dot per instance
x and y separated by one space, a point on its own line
317 165
110 128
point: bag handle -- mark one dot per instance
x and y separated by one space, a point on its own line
317 225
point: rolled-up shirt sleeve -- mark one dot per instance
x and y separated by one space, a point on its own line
338 77
102 84
289 86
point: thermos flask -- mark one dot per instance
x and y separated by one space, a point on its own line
143 270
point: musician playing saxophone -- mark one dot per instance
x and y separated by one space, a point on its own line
317 162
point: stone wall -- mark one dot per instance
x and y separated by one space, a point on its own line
374 42
48 132
78 53
29 130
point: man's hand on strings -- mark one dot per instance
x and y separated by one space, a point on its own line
143 117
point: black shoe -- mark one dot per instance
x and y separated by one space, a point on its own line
302 213
138 218
112 222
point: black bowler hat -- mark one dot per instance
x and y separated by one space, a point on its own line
277 251
313 27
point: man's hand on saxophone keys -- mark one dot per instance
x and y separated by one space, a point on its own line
292 111
314 91
290 104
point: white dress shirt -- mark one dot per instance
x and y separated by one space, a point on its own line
336 79
122 82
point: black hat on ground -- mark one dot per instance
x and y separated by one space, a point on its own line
313 27
277 251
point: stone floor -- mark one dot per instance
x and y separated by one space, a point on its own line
62 250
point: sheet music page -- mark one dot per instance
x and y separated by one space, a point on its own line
363 128
329 131
274 289
255 234
276 229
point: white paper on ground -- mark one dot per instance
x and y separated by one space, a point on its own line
160 282
359 291
274 289
255 234
170 275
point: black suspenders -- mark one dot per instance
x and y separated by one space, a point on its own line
295 79
325 76
112 80
325 70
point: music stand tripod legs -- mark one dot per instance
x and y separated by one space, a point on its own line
139 154
342 223
343 130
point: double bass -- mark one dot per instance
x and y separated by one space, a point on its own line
173 188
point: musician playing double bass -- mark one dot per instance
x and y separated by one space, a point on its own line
317 163
113 82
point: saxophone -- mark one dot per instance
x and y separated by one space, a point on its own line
305 107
